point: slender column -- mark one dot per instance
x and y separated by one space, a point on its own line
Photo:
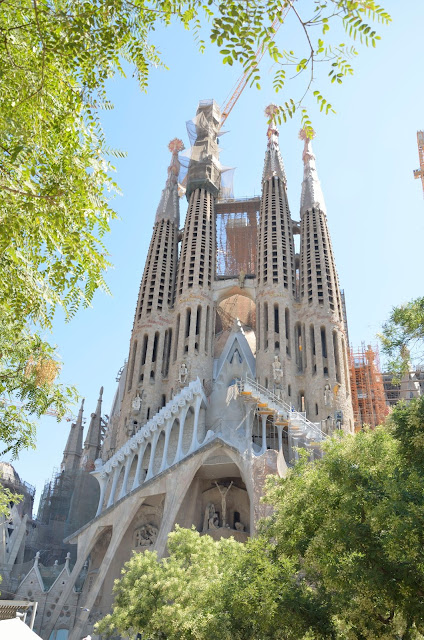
152 454
280 438
141 450
194 442
126 474
263 434
179 452
114 483
166 444
103 484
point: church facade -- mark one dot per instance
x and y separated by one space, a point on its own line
238 357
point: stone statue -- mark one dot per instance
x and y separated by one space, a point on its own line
241 279
239 526
327 395
146 535
211 520
183 373
277 370
136 403
223 491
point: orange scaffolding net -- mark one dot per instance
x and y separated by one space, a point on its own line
368 399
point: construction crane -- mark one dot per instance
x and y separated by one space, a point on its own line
419 173
243 80
241 85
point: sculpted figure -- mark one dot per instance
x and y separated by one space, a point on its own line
241 279
239 526
327 395
183 373
210 520
136 403
277 370
146 535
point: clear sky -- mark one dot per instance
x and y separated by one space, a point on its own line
365 156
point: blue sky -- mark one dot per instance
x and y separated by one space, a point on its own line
365 156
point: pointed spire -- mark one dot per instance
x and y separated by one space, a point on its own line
73 450
169 207
273 165
312 195
93 439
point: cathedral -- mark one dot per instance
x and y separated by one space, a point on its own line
238 358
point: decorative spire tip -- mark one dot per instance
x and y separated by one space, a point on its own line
304 136
176 145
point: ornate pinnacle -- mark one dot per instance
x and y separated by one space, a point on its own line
272 133
307 149
176 145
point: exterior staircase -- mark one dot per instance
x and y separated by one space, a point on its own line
301 431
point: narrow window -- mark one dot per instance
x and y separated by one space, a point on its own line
336 356
298 345
346 376
276 319
187 325
265 325
198 319
177 335
144 350
287 322
207 329
155 346
323 342
131 371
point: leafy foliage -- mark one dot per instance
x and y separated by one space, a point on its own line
210 589
341 557
28 370
354 521
403 336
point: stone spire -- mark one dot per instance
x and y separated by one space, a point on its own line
312 196
169 207
273 165
73 450
92 441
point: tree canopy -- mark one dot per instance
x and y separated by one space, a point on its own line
403 336
341 557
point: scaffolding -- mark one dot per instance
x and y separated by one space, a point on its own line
236 237
419 173
368 399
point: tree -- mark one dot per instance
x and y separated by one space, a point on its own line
403 336
354 520
210 589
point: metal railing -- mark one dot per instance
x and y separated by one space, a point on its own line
291 413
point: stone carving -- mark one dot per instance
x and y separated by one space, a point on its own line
210 520
241 279
277 370
327 395
145 535
136 403
223 491
183 373
239 526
